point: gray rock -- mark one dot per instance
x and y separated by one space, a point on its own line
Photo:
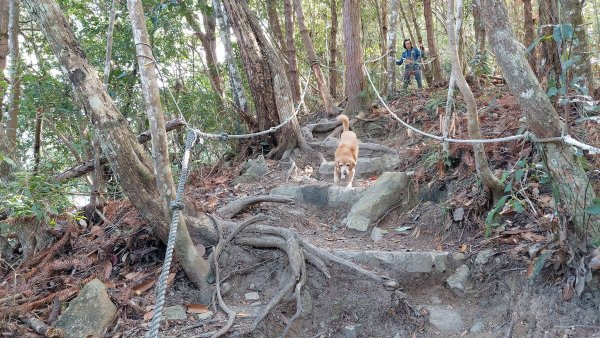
252 296
484 256
205 315
397 262
435 300
444 319
253 169
390 188
225 288
329 196
352 331
376 234
175 312
365 167
90 313
460 281
477 327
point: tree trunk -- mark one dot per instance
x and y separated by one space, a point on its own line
274 24
573 184
4 18
481 161
127 158
292 64
235 78
355 76
37 140
405 18
431 43
581 74
413 17
549 65
528 27
383 40
14 97
208 40
334 75
312 57
391 59
270 88
456 28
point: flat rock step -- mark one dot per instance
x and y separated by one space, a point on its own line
366 167
331 196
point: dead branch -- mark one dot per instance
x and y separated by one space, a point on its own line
238 205
41 328
87 166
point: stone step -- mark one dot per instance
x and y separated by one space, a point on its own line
326 196
366 167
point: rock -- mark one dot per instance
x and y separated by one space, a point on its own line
253 169
176 312
460 281
477 327
397 262
205 315
483 257
351 331
365 167
376 234
327 196
90 313
252 296
225 288
444 319
390 188
435 300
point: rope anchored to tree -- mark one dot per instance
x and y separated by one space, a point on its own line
176 206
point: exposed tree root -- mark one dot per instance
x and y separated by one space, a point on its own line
41 328
238 205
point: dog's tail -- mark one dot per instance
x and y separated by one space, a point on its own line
345 121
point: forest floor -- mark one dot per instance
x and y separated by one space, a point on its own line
519 283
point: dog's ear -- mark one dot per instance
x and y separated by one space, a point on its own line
352 163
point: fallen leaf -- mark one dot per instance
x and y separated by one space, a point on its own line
132 275
148 315
242 314
403 229
109 285
212 201
170 278
568 292
463 248
106 269
96 231
530 236
509 240
139 289
196 308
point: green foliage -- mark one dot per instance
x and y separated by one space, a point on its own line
436 100
36 196
481 64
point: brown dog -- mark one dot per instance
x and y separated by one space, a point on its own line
346 155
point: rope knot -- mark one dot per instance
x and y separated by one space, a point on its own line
223 137
177 205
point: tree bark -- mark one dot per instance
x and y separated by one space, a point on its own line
312 57
383 40
573 184
195 266
14 97
405 18
274 24
355 77
528 28
549 65
266 76
391 59
431 43
481 161
37 140
4 18
127 158
292 62
334 76
580 51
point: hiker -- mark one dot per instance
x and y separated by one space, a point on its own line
412 58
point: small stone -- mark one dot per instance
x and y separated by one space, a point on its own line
256 304
477 327
252 286
225 288
252 296
176 312
444 319
376 234
351 331
484 256
460 280
205 315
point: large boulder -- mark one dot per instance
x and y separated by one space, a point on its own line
390 188
89 314
253 170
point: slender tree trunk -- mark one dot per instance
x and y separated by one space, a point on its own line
312 56
127 158
582 69
334 75
456 28
4 18
109 44
266 74
481 161
391 59
235 79
37 139
383 40
549 64
209 44
405 18
479 30
413 16
431 43
355 77
574 187
14 98
274 24
528 27
292 63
